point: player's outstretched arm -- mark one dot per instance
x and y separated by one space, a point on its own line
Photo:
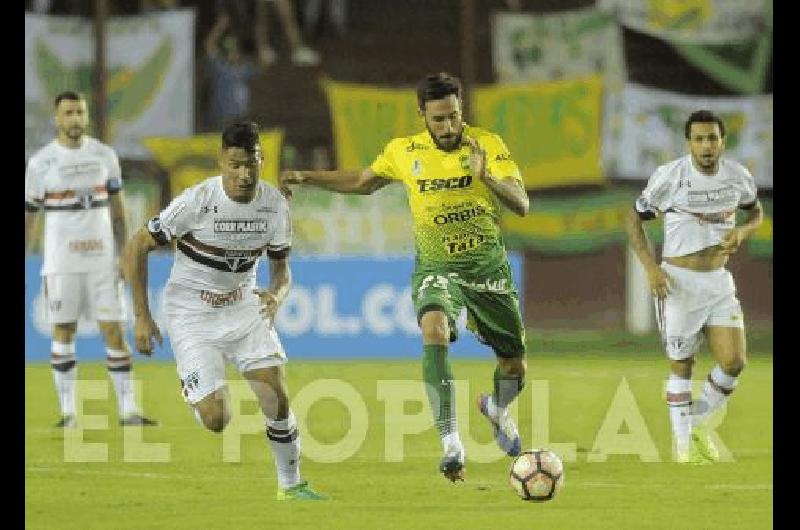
360 182
637 238
212 39
135 267
280 279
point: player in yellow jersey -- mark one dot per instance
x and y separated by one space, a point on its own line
456 176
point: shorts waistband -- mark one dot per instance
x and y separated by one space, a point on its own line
665 264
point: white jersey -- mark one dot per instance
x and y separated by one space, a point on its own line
699 209
219 241
73 188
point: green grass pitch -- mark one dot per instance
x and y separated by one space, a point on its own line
603 394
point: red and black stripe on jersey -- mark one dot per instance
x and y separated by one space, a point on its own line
225 259
71 200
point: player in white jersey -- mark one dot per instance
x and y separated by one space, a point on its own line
214 310
76 180
695 295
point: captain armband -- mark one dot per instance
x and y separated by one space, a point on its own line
157 231
113 186
644 210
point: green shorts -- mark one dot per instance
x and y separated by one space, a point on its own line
493 313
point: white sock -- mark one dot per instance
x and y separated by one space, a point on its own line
679 400
716 390
493 410
452 440
285 443
65 372
119 368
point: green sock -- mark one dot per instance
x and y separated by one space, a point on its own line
439 386
506 388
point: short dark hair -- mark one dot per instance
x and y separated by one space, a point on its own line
703 116
70 95
243 134
437 86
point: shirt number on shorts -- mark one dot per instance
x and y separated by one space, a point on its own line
436 281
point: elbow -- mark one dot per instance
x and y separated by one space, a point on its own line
367 186
523 207
759 215
365 190
632 222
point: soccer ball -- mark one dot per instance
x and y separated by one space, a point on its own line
536 475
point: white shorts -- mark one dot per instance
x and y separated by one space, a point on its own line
207 329
697 299
98 295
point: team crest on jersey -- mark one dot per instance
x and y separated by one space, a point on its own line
416 168
237 258
464 161
84 196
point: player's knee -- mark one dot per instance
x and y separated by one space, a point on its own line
683 367
514 367
734 367
214 417
65 332
435 328
216 422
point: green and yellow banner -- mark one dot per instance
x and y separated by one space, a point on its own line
365 118
570 225
192 159
150 73
591 221
694 21
552 129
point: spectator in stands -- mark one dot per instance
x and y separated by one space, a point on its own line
335 16
301 54
40 6
229 75
147 6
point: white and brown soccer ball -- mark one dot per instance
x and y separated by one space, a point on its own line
536 475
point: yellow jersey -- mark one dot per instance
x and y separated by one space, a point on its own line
456 216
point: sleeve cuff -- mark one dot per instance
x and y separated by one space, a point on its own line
279 254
